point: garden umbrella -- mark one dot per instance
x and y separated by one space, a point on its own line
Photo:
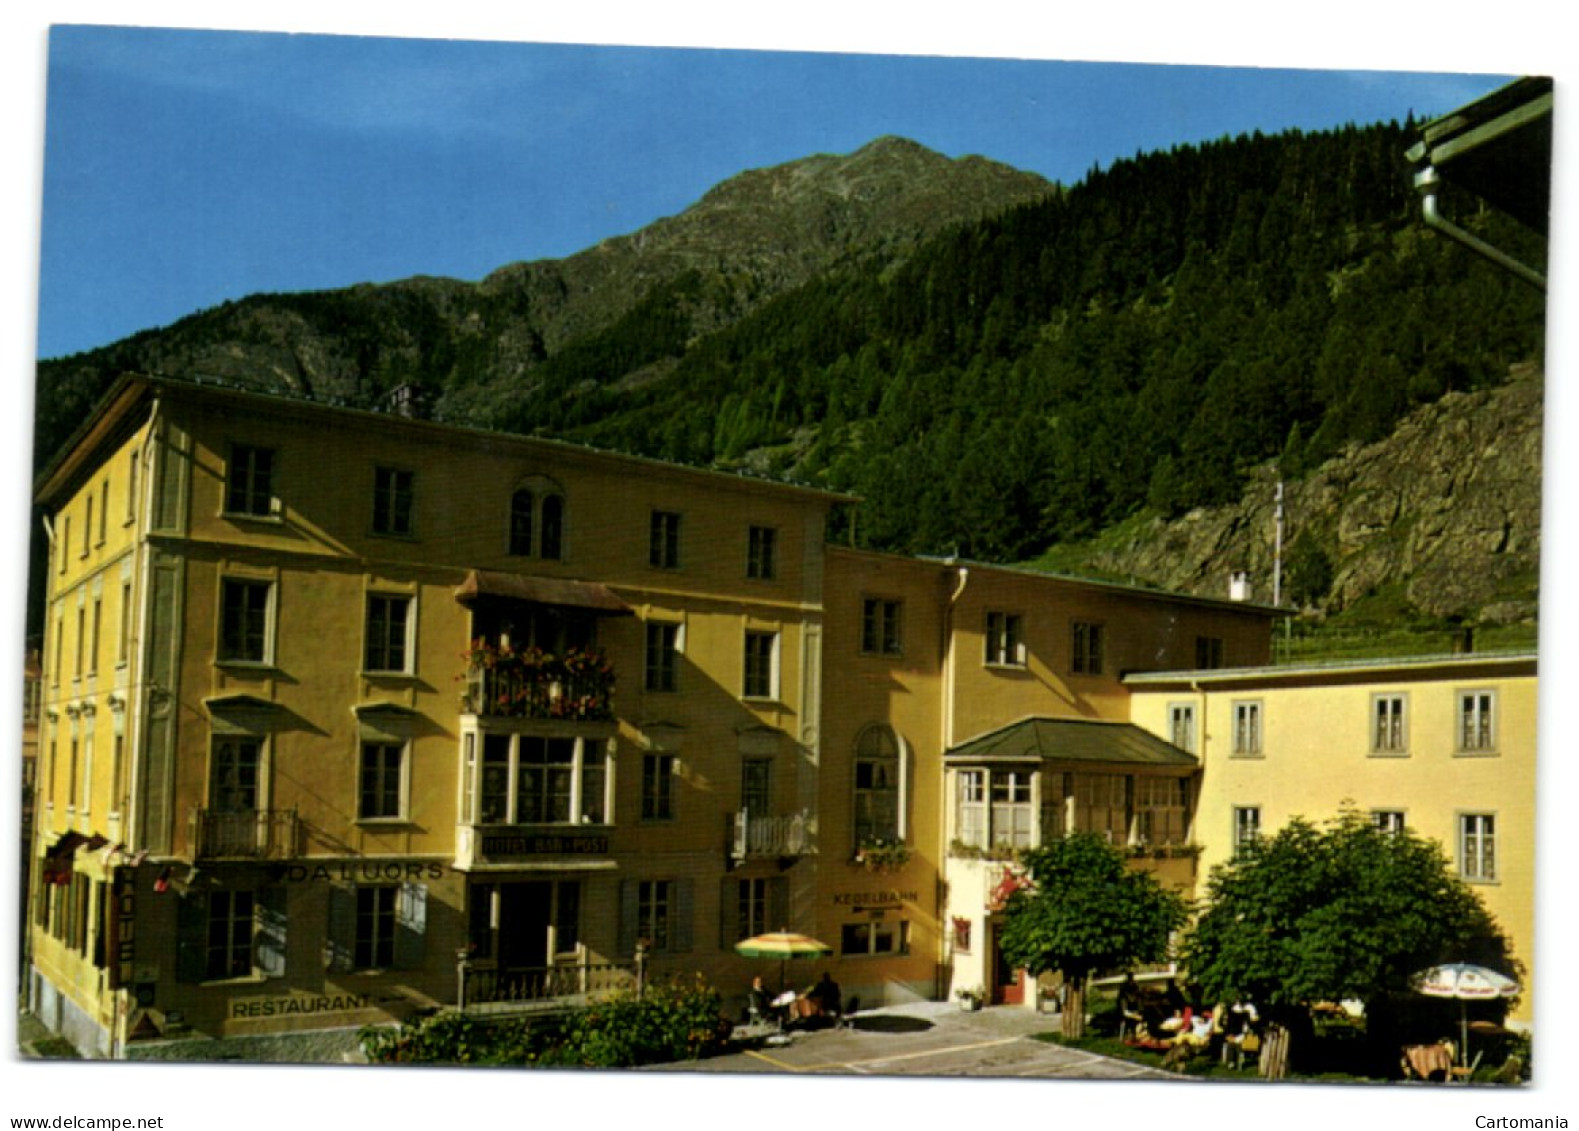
1466 982
783 945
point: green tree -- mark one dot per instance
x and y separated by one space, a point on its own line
1086 910
1336 912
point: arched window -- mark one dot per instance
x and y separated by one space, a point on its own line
553 527
879 787
521 506
537 519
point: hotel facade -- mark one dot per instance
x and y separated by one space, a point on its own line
346 715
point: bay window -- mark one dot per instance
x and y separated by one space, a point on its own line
531 780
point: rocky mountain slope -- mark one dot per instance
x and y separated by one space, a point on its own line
1441 520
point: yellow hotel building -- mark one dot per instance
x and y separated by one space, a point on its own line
349 714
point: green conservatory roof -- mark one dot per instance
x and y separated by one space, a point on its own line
1072 740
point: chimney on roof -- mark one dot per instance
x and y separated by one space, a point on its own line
1239 586
408 400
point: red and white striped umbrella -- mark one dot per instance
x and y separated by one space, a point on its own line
1466 982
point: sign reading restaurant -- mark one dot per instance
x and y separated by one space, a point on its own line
290 1004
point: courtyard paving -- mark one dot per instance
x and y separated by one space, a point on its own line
928 1039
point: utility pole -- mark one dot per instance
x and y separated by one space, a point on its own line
1277 549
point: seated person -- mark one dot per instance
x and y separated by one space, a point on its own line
758 1006
1129 1001
826 996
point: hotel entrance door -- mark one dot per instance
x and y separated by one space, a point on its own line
525 917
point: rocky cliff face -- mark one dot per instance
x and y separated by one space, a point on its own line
1450 503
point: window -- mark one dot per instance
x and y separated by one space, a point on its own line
551 544
1208 651
375 927
82 641
657 912
1181 725
663 548
532 780
1477 846
234 774
544 788
878 936
393 495
761 553
877 782
249 481
1162 810
244 620
230 929
542 512
1247 729
1102 805
1388 820
1247 827
663 656
131 489
65 542
756 786
87 528
657 787
104 511
124 637
1004 643
1087 657
1389 732
388 633
995 808
654 907
93 639
227 934
522 505
1477 721
383 781
762 662
880 627
751 909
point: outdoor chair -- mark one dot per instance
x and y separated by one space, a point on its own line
1464 1073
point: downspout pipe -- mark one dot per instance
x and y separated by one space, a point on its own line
1427 184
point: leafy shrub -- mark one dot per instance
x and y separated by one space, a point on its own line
678 1020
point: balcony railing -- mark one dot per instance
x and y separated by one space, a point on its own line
532 684
543 985
260 834
751 835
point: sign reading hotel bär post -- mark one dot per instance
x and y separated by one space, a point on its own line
517 844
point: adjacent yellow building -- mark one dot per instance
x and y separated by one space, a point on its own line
348 714
1443 746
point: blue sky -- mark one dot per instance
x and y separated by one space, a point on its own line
183 168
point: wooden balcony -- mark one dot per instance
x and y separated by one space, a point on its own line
260 834
753 836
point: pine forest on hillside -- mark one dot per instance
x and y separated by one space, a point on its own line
1137 343
1142 340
